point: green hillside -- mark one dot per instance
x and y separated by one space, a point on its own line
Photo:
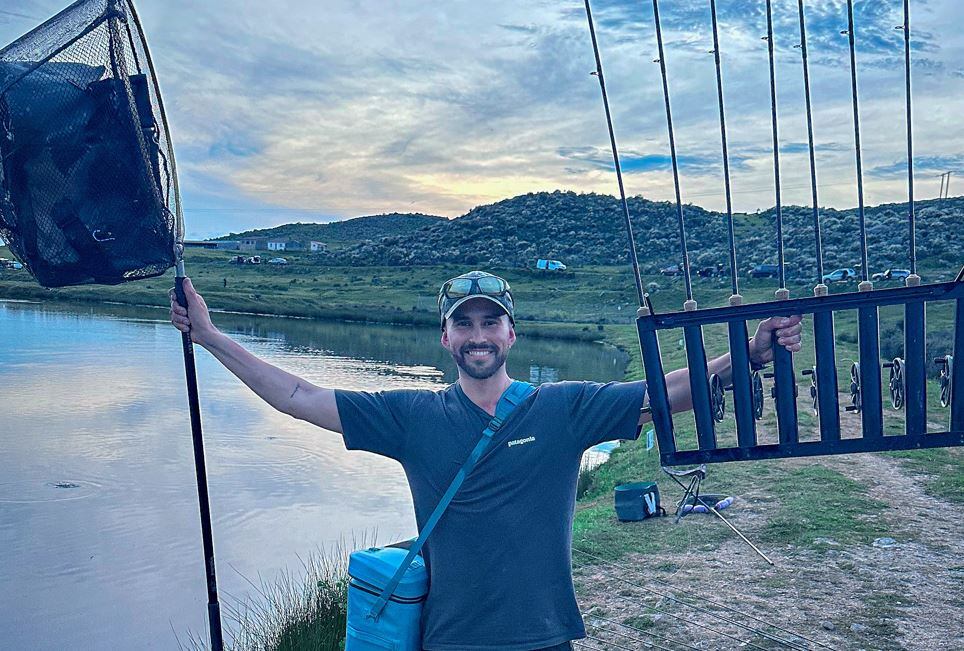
347 231
588 229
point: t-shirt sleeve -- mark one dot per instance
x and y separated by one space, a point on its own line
605 412
373 421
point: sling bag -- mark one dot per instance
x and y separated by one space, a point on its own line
388 617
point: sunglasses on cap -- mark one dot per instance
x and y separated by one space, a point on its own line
462 286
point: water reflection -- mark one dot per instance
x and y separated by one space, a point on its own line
98 506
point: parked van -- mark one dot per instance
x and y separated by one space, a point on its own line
550 265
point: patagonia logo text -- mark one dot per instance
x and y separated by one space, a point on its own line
529 439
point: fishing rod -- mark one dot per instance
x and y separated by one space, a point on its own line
702 610
860 173
867 373
687 280
823 375
608 645
693 335
619 173
781 261
734 281
813 158
785 383
639 602
693 595
631 638
910 142
642 631
737 330
912 372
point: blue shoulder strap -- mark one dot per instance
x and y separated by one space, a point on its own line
511 397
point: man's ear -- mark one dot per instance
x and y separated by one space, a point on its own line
511 334
445 338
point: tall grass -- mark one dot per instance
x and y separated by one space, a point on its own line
300 610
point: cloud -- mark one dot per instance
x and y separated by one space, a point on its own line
357 107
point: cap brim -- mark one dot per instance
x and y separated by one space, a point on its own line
448 314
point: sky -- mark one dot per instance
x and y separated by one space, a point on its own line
319 111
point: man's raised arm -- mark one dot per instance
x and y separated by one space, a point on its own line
285 392
788 331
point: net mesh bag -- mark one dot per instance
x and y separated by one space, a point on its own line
88 189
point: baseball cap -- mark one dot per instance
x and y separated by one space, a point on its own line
474 284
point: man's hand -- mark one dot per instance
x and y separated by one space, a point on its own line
195 318
788 335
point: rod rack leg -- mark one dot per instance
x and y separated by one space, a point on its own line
742 391
785 393
828 404
700 387
915 373
868 338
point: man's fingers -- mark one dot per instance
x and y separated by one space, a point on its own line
790 332
189 288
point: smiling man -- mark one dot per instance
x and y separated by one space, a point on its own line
499 560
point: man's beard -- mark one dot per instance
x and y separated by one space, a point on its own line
476 372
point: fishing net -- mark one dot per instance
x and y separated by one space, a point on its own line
88 190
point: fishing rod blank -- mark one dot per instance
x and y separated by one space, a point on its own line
825 369
693 336
672 153
785 384
695 607
734 274
633 638
664 638
868 327
693 595
648 342
639 602
913 372
619 173
737 331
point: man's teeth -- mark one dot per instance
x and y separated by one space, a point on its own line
479 353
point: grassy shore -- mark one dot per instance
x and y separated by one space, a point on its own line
807 502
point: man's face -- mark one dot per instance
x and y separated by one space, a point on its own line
479 336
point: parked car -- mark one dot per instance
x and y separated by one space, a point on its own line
674 270
891 274
710 271
840 276
278 261
765 271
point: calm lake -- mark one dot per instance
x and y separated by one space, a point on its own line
99 528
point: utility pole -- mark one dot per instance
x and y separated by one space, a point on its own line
945 185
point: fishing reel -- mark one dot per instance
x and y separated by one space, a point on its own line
812 372
896 382
717 397
944 379
756 381
856 401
